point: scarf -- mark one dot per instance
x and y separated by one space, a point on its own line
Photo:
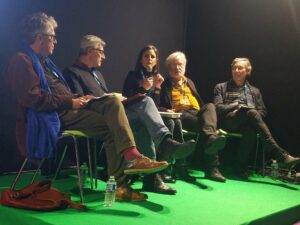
43 128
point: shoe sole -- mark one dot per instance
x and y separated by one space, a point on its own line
216 179
160 192
215 146
145 171
184 150
131 200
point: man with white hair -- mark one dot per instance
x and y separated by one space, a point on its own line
241 109
179 94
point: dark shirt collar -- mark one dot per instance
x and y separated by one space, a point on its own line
82 66
232 83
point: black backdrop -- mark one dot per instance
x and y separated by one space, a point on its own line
266 31
126 26
212 32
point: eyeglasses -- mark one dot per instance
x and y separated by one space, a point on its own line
175 65
101 51
51 36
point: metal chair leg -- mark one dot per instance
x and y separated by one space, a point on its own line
78 169
39 167
60 163
90 163
263 163
18 175
256 153
95 163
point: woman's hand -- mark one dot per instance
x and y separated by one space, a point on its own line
147 83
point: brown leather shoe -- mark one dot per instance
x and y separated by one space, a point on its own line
144 165
126 193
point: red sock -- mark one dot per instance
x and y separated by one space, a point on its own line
131 153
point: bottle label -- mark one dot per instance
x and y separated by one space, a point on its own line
111 187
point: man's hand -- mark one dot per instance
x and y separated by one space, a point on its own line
78 103
158 80
171 110
235 106
122 98
87 97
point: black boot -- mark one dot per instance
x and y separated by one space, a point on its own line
241 171
286 160
182 173
154 183
167 178
215 175
214 144
171 148
167 175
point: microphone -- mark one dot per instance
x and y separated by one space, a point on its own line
149 69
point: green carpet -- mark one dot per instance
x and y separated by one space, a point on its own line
203 203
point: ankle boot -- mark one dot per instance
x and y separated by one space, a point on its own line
154 183
167 175
171 148
286 160
182 173
215 175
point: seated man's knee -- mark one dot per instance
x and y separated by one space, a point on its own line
177 122
114 99
210 107
170 124
254 115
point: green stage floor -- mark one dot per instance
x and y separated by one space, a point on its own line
203 203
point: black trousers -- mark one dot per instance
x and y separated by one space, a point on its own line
249 122
204 122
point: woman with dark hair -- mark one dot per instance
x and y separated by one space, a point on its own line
145 81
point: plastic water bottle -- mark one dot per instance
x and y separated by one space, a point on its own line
84 173
110 191
274 170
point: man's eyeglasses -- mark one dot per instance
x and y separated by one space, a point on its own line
51 36
101 51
